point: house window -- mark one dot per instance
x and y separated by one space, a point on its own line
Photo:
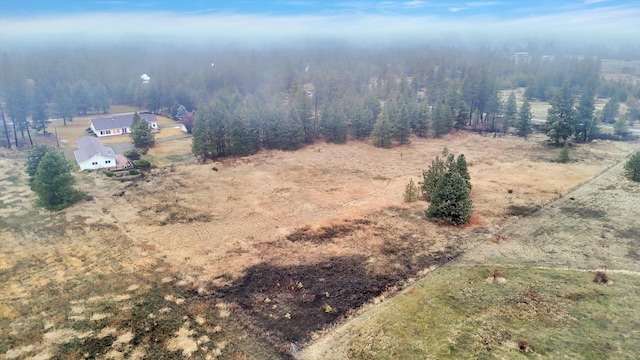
108 162
108 132
101 132
94 163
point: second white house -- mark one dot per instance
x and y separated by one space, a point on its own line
119 124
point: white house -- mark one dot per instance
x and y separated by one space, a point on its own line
119 124
91 154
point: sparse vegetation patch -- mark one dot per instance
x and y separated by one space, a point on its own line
327 233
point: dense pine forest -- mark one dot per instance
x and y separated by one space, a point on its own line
236 101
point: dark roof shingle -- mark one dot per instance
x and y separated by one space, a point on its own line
119 121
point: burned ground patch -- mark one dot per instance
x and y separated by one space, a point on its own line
286 304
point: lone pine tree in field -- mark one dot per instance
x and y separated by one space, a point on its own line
451 201
53 182
632 167
447 185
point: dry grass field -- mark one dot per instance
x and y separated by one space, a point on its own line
243 257
528 292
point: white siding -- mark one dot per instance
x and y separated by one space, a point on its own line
98 162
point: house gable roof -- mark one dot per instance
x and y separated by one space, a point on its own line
89 146
120 121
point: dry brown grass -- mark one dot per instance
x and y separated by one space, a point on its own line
256 200
244 211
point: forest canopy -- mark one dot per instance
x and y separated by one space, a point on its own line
285 97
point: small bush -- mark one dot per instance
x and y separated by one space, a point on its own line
132 154
564 153
144 151
410 192
524 346
134 172
601 277
142 164
109 173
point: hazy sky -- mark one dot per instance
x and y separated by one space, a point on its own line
348 19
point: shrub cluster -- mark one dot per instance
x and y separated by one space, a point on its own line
447 185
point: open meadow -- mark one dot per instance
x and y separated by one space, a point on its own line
528 291
244 257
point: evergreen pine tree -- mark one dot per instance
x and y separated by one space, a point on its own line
431 177
524 120
510 113
442 119
39 117
204 143
457 110
402 123
362 122
560 117
584 111
451 201
290 133
53 182
136 119
564 153
383 131
461 168
620 127
410 192
34 156
334 124
141 134
420 120
610 110
632 167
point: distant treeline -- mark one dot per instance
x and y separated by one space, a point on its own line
283 98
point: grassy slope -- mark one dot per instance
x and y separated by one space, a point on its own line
455 313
